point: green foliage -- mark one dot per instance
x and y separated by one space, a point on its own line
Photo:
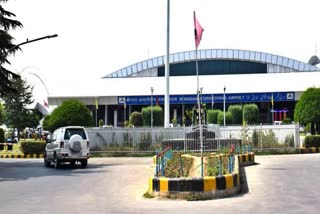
307 109
7 48
17 112
33 147
255 138
2 139
136 119
236 112
212 116
174 122
287 120
220 119
307 129
2 113
70 113
250 113
312 141
173 168
101 122
157 116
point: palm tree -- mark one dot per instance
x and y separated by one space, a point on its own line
6 48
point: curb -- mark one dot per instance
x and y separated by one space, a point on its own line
309 150
22 156
246 159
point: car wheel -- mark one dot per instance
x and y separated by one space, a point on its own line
47 163
57 163
84 163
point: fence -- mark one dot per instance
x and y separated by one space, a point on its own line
147 139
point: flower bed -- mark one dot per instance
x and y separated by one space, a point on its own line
173 168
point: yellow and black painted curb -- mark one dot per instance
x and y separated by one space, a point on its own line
246 159
22 156
309 150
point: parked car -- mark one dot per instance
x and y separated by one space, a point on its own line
67 145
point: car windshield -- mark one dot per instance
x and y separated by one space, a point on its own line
70 132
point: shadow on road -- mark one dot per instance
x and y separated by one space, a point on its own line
25 169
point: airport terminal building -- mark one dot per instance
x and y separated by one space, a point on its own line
242 76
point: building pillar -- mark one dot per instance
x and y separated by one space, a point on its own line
175 113
182 115
115 118
106 115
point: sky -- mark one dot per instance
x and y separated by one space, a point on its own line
98 37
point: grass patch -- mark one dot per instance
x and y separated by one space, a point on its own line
147 195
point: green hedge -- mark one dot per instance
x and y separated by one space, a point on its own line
312 141
32 147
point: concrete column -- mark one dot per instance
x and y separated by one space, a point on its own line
106 115
182 115
115 118
175 113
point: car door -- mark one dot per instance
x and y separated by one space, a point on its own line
50 146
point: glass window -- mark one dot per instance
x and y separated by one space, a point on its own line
150 65
263 57
285 62
279 61
192 55
203 54
134 68
274 59
70 132
144 65
236 54
301 66
268 58
308 67
290 64
171 58
155 62
219 53
181 56
214 53
225 53
241 54
258 56
129 70
296 65
124 72
139 67
246 55
176 57
252 55
161 60
230 54
187 56
208 54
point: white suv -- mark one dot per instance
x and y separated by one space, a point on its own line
67 144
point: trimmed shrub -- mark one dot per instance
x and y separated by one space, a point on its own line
157 116
32 147
250 113
136 119
228 118
70 113
236 112
2 139
212 116
312 141
286 121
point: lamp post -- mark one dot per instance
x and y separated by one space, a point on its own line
151 122
224 105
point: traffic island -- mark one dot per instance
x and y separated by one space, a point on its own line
21 156
309 150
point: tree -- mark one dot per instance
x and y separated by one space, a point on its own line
220 119
6 48
71 113
136 119
157 116
17 103
2 113
307 109
212 116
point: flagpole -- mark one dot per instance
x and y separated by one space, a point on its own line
167 72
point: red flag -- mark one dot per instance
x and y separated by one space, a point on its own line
197 30
45 104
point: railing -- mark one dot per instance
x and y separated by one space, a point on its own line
161 160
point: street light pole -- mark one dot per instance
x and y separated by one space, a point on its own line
224 106
151 123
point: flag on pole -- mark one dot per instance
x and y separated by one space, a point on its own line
45 104
198 30
97 104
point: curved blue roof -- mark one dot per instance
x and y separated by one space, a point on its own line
276 64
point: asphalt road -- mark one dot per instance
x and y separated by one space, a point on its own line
278 184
